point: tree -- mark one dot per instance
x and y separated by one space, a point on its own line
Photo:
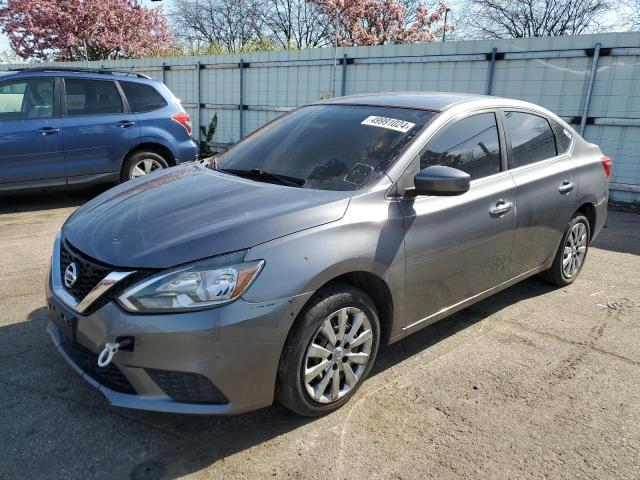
220 25
296 24
9 56
378 22
68 30
535 18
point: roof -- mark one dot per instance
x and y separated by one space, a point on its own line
436 101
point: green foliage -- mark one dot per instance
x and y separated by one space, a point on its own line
206 135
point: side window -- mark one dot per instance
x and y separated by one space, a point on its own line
470 145
23 99
563 138
92 97
531 138
141 97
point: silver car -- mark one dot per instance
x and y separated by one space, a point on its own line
279 271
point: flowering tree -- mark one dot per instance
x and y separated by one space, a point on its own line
378 22
67 30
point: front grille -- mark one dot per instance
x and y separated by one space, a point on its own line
187 387
109 376
89 272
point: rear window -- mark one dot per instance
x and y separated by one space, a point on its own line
92 97
141 97
531 138
329 147
563 138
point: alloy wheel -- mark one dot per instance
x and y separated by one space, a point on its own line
145 167
338 355
575 249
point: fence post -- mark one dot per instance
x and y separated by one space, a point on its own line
164 68
587 97
492 67
344 75
197 125
241 99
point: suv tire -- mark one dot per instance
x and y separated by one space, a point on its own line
141 163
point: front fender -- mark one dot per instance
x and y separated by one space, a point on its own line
369 238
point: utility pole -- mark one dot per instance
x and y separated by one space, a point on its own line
444 29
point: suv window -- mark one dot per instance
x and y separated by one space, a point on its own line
92 97
141 97
563 138
531 138
22 99
470 145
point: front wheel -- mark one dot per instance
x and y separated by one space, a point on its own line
329 352
142 163
571 253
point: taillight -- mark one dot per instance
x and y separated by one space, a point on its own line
183 119
606 164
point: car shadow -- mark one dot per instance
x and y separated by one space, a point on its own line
621 233
48 199
55 419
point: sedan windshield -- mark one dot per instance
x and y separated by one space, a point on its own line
326 147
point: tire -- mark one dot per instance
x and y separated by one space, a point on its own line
298 355
146 160
577 231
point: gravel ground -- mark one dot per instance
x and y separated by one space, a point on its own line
534 382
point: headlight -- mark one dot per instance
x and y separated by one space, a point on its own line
199 285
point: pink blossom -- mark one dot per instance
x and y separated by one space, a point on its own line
378 22
65 30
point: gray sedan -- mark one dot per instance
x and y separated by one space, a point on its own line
279 271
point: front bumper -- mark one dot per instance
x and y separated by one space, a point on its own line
234 349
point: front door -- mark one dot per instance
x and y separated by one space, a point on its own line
98 130
30 132
458 247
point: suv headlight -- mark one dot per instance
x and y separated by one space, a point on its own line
199 285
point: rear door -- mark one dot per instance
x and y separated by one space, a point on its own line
545 186
30 132
458 247
98 128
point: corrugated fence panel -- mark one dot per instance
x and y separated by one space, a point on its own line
553 72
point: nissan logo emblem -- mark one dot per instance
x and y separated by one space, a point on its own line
70 275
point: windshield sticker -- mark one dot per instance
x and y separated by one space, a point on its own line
390 123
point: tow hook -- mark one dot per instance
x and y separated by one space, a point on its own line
110 350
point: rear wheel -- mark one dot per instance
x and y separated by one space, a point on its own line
142 163
571 253
329 352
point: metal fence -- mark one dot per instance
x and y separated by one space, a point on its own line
593 81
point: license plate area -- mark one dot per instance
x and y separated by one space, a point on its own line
67 324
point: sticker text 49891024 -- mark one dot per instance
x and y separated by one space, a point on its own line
390 123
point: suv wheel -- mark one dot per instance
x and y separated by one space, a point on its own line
571 253
142 163
329 352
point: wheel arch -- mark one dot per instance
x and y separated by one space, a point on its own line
158 148
588 209
376 288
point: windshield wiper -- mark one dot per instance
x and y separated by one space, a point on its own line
260 175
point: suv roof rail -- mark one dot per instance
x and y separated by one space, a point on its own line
105 70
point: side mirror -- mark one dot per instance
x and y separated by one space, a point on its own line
441 181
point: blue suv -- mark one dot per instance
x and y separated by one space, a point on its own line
64 126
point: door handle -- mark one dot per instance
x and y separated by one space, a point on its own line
126 123
501 208
566 186
48 130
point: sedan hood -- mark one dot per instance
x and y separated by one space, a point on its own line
190 212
